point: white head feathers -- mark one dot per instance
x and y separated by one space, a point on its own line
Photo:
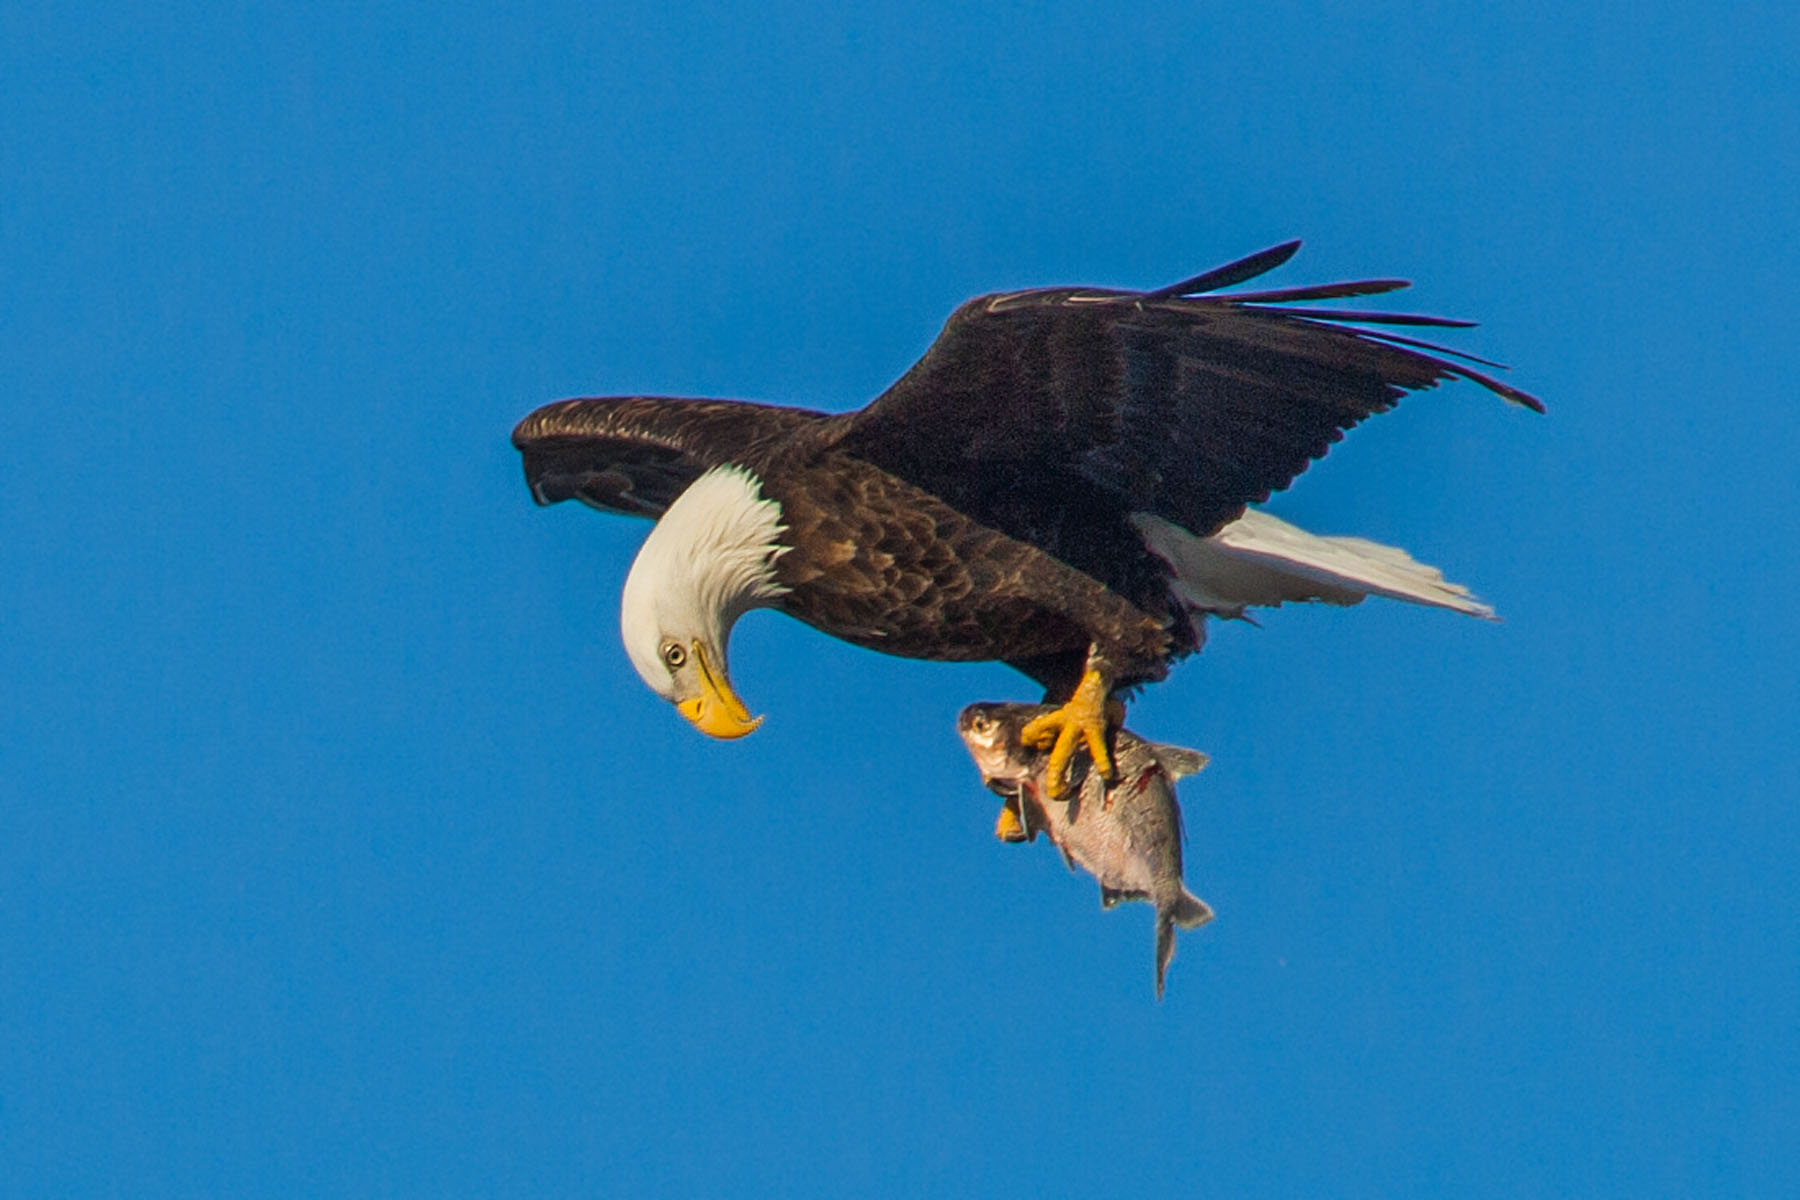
708 561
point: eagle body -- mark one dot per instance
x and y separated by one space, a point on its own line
880 562
1061 483
888 565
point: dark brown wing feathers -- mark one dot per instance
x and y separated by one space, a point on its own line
635 454
1231 274
1188 406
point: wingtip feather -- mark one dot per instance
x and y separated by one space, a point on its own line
1231 274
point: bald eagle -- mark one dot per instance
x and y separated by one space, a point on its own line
1061 483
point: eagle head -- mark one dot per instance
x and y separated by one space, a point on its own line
708 560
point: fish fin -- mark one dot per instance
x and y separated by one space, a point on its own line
1068 859
1191 911
1110 896
1179 761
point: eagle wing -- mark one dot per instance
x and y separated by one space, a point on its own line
635 454
1077 401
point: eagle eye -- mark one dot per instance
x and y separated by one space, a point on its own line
674 655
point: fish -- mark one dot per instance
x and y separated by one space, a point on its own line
1126 834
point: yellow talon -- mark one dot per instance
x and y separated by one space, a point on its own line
1009 828
1083 718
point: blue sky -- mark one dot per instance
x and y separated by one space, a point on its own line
345 855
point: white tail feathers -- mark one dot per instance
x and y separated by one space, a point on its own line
1262 560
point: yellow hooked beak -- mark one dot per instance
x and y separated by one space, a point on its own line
716 711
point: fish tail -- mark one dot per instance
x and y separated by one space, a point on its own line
1165 949
1191 911
1187 912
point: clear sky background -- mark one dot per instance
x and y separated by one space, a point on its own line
341 852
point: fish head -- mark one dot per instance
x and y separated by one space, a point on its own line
991 732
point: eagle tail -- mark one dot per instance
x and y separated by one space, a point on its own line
1261 560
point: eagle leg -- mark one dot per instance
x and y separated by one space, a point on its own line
1088 718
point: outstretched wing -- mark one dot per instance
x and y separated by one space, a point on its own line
1074 401
635 454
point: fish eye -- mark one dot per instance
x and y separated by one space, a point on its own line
674 655
982 724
